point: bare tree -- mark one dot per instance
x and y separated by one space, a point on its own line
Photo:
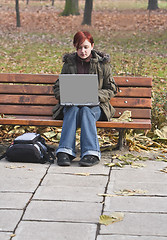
17 14
88 12
53 1
71 8
152 4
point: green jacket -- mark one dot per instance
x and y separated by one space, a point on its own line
99 64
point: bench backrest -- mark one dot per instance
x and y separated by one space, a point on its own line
32 95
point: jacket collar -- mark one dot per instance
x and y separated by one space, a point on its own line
96 57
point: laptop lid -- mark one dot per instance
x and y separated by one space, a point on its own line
79 89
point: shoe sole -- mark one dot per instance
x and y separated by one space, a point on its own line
84 164
64 164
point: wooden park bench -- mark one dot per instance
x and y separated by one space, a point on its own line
27 99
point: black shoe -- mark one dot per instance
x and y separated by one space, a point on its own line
89 160
63 159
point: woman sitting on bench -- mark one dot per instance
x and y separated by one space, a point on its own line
84 61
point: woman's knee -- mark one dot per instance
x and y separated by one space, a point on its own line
84 110
95 111
71 110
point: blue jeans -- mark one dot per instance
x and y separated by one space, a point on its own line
85 118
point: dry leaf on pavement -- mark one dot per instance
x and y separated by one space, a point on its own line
113 218
106 195
127 192
82 174
164 170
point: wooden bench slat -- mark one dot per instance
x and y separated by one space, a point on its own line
134 92
26 89
131 102
27 120
133 81
28 78
51 78
47 111
45 89
27 99
24 109
50 100
136 112
135 124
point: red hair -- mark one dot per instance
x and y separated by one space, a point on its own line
80 37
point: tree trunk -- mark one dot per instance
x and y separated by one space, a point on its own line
53 2
17 14
152 4
71 8
27 2
88 12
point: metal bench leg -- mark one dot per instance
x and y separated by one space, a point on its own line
121 139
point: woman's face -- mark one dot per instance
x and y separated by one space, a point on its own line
85 49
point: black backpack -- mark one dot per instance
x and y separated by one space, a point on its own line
29 147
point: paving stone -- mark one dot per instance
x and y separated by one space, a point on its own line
136 204
153 181
138 175
19 184
86 194
149 166
153 189
19 168
126 237
14 200
18 177
5 235
9 219
144 224
99 169
55 230
63 211
75 180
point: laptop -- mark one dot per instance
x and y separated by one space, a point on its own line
78 89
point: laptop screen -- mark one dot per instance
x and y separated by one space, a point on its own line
79 89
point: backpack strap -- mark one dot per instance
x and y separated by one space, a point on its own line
3 156
49 156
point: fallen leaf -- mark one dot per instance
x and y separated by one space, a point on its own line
106 147
162 133
137 165
127 192
82 174
113 218
125 117
106 195
50 134
14 167
30 169
164 170
116 164
12 235
160 158
110 164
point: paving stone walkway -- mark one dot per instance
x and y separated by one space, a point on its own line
39 202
